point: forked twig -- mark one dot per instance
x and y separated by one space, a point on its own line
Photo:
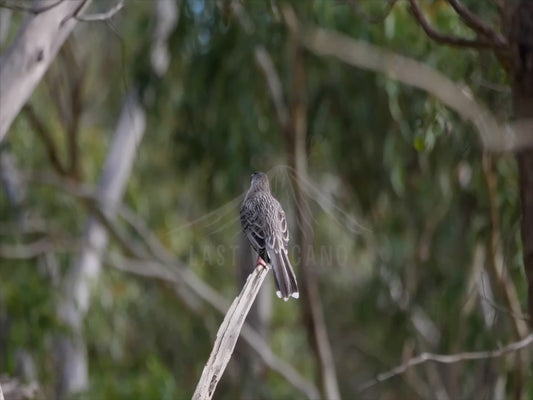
483 42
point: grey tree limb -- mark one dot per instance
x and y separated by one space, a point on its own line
86 267
30 54
227 335
494 136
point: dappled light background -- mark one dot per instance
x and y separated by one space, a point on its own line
123 175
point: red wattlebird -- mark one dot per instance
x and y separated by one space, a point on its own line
263 221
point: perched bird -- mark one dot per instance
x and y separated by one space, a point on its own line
263 221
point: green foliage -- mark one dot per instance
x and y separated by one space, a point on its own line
400 201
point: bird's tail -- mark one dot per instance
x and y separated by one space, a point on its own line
283 275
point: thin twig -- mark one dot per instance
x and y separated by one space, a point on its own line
476 23
448 359
482 43
101 16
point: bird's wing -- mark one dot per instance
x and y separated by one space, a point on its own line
253 226
276 248
283 228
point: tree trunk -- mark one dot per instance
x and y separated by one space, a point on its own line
72 353
31 53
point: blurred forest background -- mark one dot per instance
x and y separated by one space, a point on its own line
123 173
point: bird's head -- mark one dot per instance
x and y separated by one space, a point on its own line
260 181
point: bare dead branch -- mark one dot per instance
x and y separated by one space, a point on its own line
477 24
101 16
451 40
228 333
448 359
